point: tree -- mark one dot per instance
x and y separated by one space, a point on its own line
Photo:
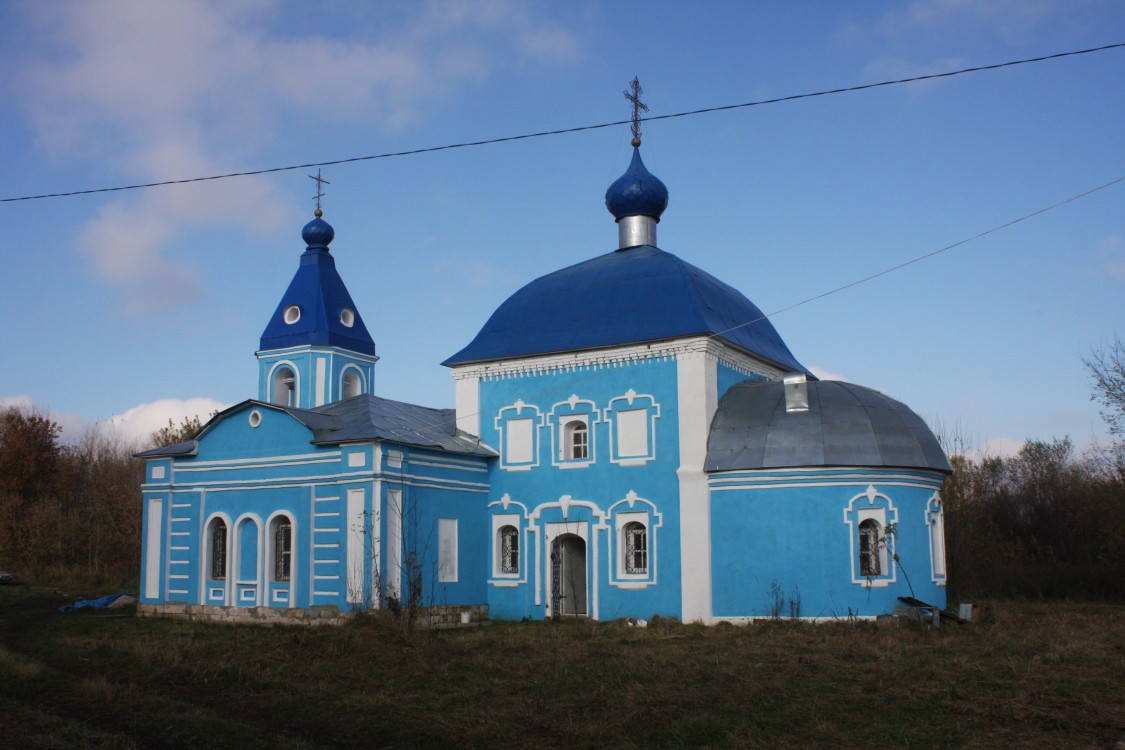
174 433
1107 370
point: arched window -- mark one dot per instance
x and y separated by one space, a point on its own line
218 542
636 548
284 387
870 562
352 384
576 441
282 529
509 550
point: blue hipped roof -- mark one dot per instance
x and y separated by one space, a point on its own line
319 292
636 295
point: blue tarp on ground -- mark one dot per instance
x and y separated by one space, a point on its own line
102 603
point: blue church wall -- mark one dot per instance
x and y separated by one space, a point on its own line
440 502
791 539
728 376
628 410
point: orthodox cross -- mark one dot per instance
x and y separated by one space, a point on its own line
638 106
320 183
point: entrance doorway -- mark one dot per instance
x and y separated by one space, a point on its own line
568 576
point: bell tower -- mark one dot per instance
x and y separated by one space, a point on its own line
315 349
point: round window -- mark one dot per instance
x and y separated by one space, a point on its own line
347 317
255 418
292 314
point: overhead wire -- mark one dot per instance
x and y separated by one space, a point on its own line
565 131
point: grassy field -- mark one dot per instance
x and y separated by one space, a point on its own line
1025 675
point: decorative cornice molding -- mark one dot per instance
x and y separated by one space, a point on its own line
621 356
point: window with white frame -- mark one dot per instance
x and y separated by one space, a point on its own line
572 432
869 517
352 384
284 387
575 442
636 548
282 542
509 544
869 549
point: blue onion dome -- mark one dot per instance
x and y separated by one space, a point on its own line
637 192
318 233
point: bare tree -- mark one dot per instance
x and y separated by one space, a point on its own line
1107 370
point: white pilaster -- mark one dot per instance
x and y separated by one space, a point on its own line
697 388
468 405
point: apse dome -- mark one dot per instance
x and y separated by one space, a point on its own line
844 425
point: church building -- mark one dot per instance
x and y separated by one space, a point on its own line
631 437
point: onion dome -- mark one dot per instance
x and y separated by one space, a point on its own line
637 192
318 233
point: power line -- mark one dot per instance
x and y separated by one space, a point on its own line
871 277
564 131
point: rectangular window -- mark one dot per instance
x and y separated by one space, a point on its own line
519 441
447 550
632 432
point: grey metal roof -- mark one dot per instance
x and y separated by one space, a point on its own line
360 419
845 425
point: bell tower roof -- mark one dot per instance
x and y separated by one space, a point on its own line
317 309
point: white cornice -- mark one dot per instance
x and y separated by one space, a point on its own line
619 356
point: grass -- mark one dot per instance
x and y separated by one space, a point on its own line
1026 675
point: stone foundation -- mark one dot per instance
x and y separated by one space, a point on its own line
429 617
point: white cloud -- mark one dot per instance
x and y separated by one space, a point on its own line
1010 20
823 374
72 425
996 448
139 422
1112 252
158 91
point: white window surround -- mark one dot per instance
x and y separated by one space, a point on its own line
352 382
292 314
875 506
518 428
633 509
566 420
347 317
520 521
935 523
632 428
284 386
501 523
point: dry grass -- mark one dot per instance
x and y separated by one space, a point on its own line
1027 675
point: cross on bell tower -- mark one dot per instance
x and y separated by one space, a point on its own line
320 183
633 94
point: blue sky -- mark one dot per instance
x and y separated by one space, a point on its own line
131 307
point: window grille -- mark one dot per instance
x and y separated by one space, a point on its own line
869 563
282 550
509 550
636 548
219 551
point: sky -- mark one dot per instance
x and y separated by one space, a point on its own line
132 307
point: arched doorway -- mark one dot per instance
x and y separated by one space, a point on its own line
568 576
